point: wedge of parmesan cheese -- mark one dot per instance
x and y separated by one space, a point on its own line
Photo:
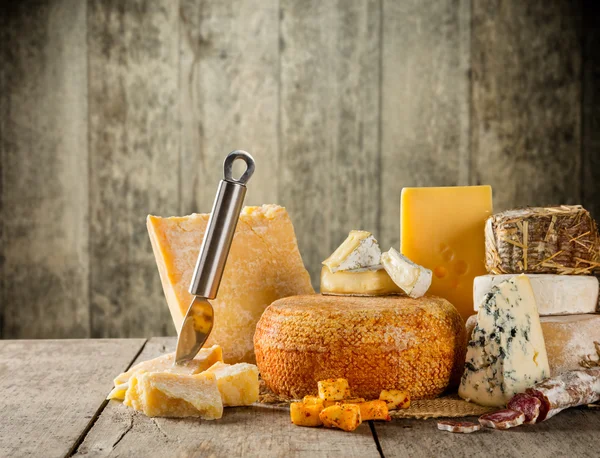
360 251
411 278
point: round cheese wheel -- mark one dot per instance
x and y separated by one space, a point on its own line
568 339
376 343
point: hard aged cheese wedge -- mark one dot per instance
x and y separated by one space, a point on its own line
442 229
506 353
554 294
205 358
375 282
264 265
162 394
569 339
238 383
376 343
359 251
412 278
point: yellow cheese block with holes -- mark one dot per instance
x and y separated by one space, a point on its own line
442 229
163 394
238 383
264 265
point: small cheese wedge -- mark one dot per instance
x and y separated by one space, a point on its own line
205 358
359 251
411 278
375 282
163 394
238 383
506 353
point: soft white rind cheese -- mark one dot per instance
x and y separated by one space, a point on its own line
360 251
554 294
507 352
412 278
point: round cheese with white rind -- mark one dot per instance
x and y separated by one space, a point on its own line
554 294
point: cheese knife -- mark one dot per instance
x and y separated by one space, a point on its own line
198 321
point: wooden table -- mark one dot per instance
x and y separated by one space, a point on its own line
53 405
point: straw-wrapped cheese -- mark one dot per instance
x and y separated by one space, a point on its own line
555 240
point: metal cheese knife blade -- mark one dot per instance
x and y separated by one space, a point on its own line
199 319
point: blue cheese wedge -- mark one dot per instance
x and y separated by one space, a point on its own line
359 252
411 278
506 353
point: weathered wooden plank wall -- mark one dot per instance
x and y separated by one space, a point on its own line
110 110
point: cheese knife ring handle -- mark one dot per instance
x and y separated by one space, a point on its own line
199 319
221 227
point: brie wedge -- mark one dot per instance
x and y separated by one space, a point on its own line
360 251
411 278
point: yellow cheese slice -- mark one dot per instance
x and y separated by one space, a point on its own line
238 383
163 394
364 283
264 265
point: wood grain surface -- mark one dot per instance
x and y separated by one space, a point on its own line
52 390
526 101
425 101
329 168
44 211
112 110
243 431
134 158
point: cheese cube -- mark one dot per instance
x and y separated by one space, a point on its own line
374 410
442 229
334 389
238 383
343 416
303 414
263 265
395 399
506 353
205 358
163 394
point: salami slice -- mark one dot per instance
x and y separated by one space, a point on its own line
465 427
528 404
502 419
570 389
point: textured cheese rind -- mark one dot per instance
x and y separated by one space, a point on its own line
375 282
412 278
506 353
360 250
568 339
264 265
238 383
376 343
554 294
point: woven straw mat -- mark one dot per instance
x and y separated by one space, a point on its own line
446 406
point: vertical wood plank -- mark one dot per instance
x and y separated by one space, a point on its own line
134 159
425 101
44 207
329 158
526 97
591 108
229 96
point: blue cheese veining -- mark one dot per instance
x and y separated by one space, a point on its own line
506 353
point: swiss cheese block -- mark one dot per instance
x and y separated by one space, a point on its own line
376 343
442 229
264 265
374 282
554 294
238 383
568 339
506 353
163 394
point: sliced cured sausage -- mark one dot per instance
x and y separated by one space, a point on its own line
570 389
528 404
502 419
464 427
